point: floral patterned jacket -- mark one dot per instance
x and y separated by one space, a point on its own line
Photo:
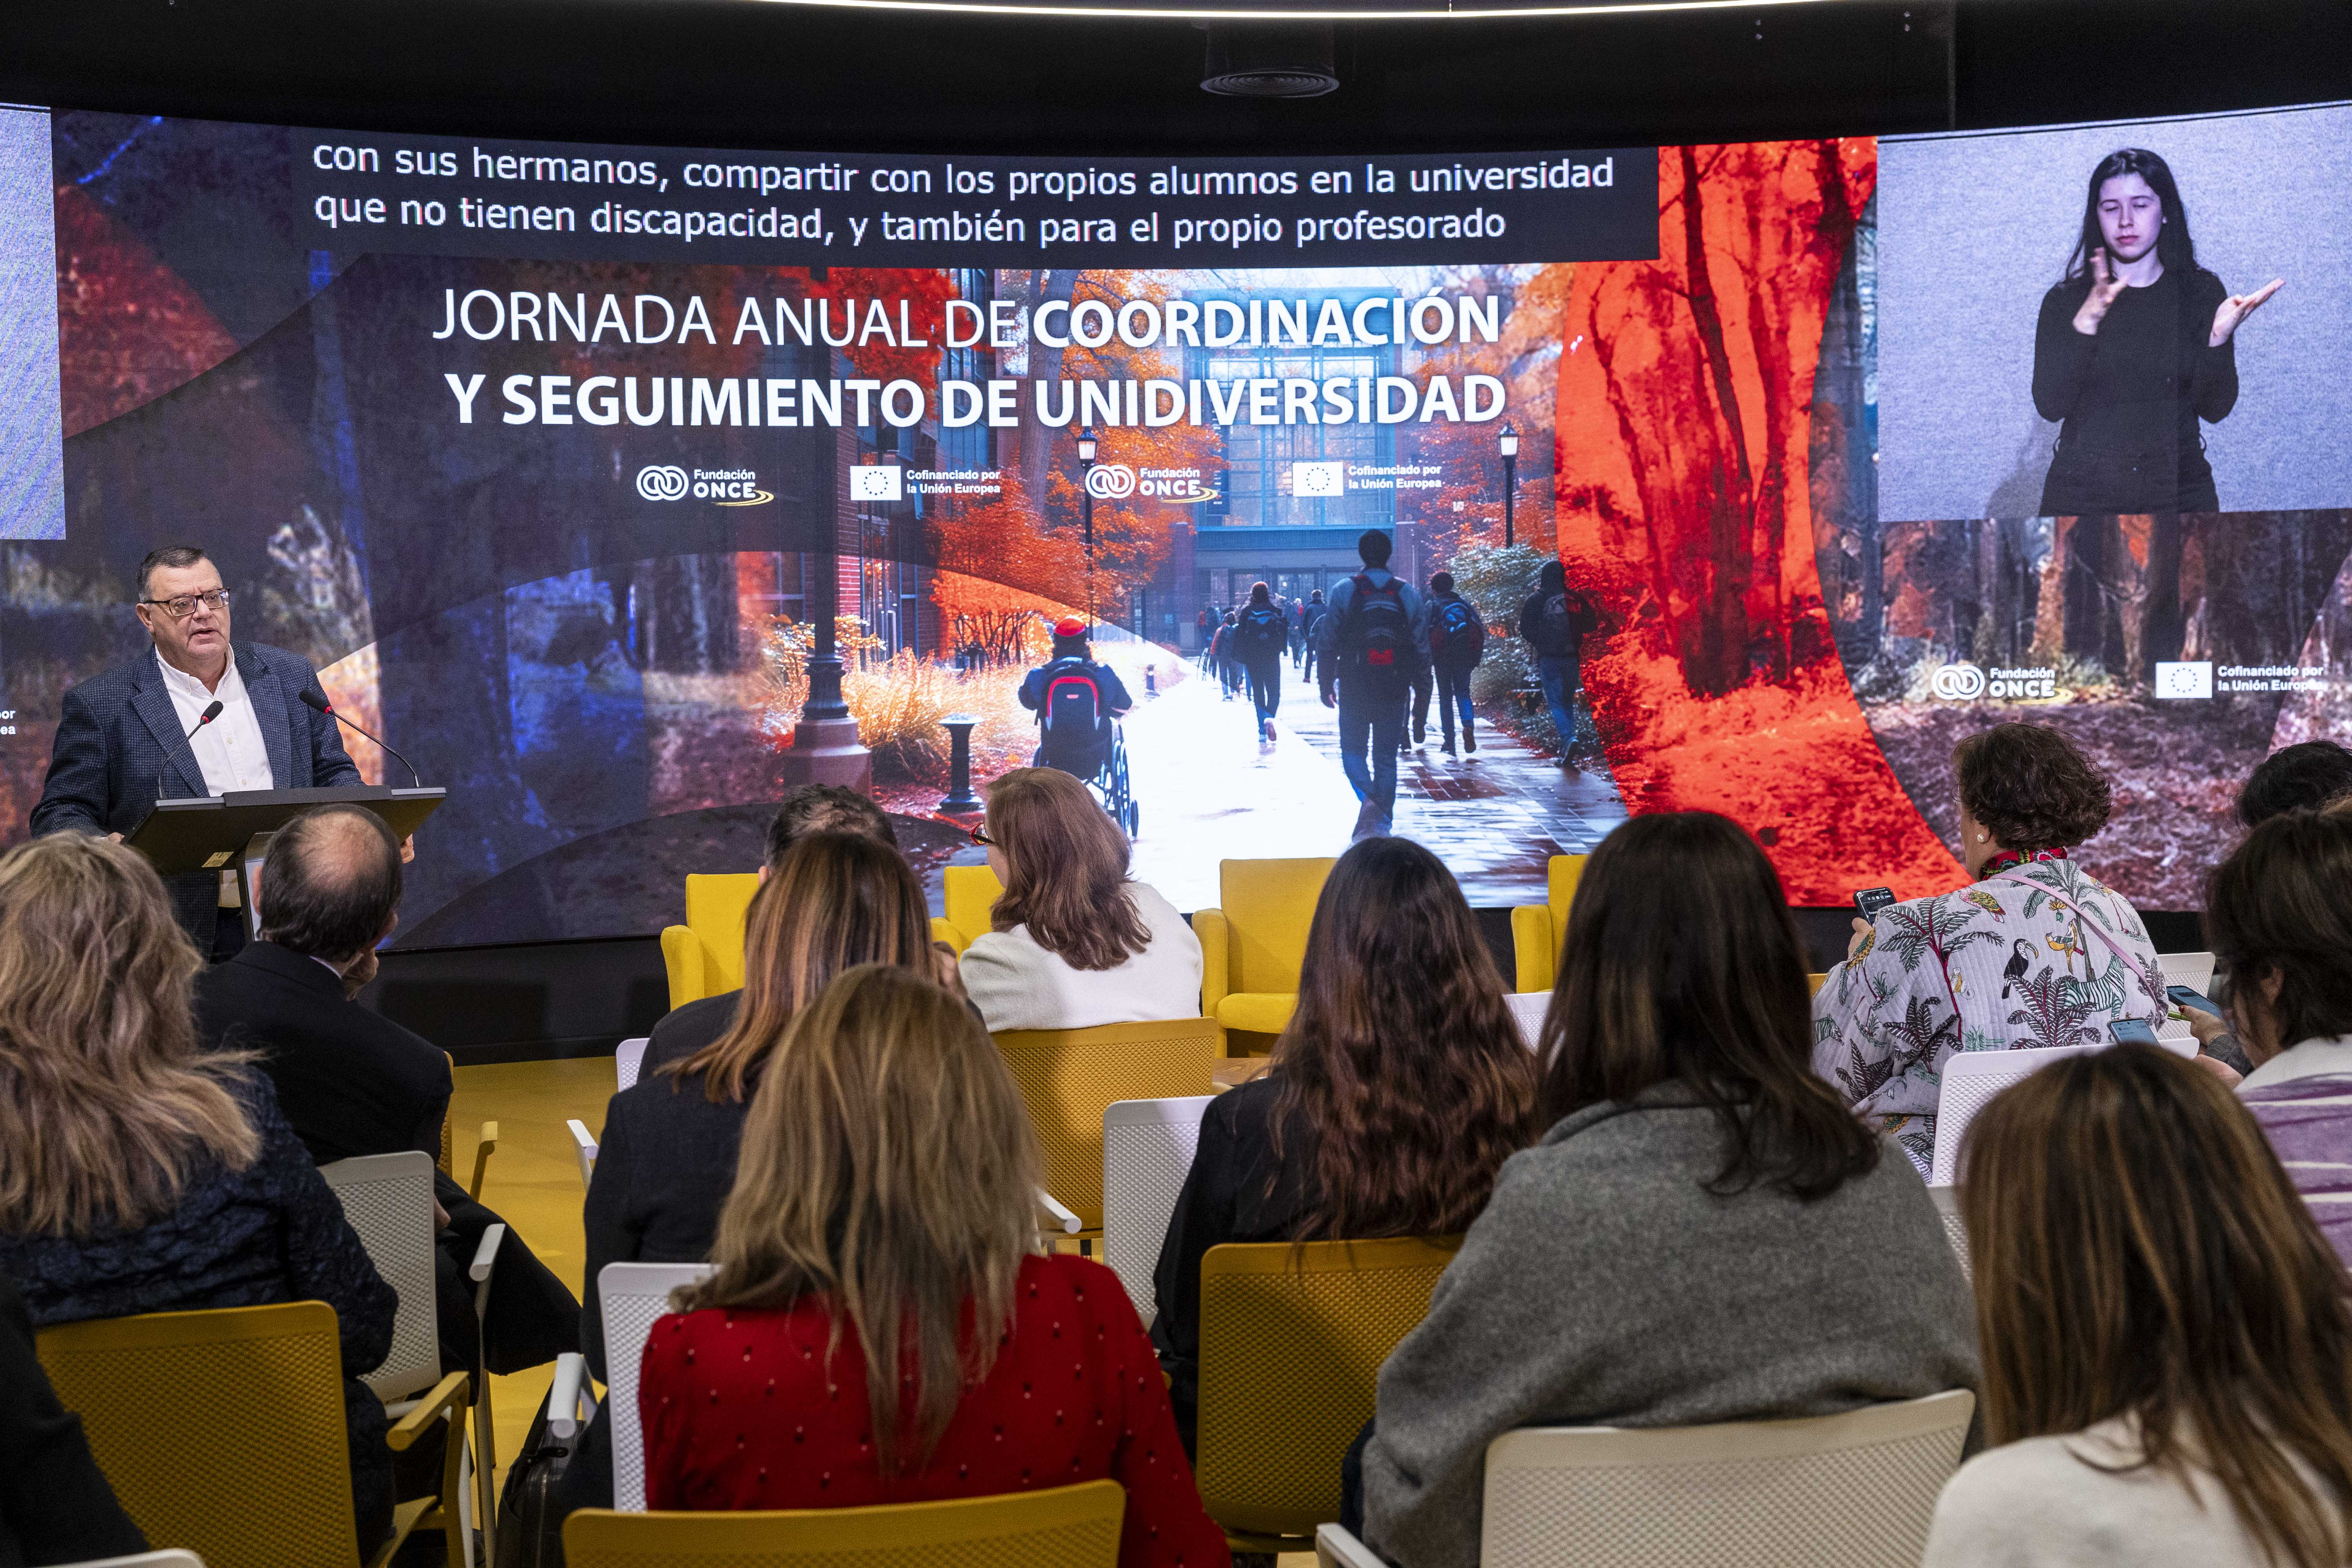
2039 954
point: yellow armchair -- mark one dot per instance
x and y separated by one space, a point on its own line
705 957
1538 930
969 892
1253 942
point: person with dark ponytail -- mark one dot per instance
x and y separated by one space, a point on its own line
2136 344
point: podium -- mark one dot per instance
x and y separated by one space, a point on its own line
220 832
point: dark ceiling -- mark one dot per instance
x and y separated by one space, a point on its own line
727 72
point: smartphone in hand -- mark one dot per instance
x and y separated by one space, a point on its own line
1868 902
2131 1032
2184 997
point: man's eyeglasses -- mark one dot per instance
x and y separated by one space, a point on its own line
181 607
979 836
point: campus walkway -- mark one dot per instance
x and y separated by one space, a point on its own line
1210 790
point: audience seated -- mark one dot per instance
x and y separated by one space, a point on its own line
140 1173
2036 953
665 1159
812 808
1705 1235
2276 913
1397 1091
2302 777
2167 1342
1077 942
881 1327
54 1503
352 1082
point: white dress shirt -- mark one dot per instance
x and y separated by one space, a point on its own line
229 749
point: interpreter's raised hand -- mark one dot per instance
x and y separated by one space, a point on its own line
2234 310
2106 286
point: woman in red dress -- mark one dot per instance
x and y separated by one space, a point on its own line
885 1196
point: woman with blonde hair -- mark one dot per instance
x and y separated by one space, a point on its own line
1076 942
882 1326
138 1174
665 1159
2167 1341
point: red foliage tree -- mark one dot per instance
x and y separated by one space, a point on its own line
1684 397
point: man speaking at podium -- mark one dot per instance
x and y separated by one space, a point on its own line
141 731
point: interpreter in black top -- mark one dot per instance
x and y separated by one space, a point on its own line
2135 346
352 1082
693 1027
55 1504
1397 1091
666 1158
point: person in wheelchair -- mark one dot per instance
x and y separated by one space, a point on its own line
1075 700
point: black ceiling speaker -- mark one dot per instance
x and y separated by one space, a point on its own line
1259 60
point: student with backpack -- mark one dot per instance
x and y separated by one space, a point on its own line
1074 699
1369 642
1310 616
1221 655
1554 623
1457 641
1258 641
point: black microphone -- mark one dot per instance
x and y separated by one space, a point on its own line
319 704
203 718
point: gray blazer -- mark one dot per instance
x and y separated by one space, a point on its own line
1605 1286
116 730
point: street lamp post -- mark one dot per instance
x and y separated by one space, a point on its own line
1087 514
1507 444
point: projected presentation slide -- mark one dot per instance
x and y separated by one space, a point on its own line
546 455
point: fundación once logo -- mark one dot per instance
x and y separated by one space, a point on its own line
1110 481
727 487
662 481
1961 682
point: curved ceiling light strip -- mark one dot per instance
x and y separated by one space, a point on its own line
1183 13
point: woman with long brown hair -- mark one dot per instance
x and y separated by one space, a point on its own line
665 1159
138 1173
882 1326
2168 1341
1076 942
1705 1235
1397 1091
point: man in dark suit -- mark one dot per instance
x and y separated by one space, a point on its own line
353 1082
812 808
119 732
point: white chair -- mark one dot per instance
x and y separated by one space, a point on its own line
1947 1209
1855 1490
627 1060
631 1296
1056 1216
2194 970
1528 1010
1147 1147
1970 1079
388 1199
570 1405
173 1559
584 1144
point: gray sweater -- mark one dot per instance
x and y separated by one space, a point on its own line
1604 1287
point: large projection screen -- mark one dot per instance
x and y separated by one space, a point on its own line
542 453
